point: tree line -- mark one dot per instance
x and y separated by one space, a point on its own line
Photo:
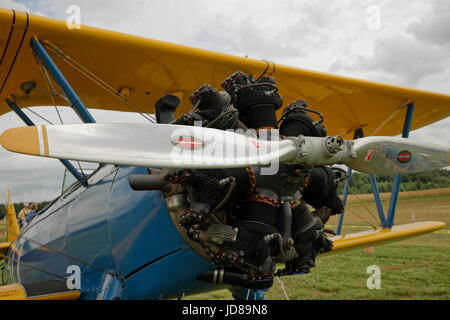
410 182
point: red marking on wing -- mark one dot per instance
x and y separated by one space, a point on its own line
369 155
404 156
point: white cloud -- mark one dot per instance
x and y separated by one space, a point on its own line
11 4
435 31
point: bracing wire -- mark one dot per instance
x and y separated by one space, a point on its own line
357 215
367 208
35 113
81 168
61 253
97 80
32 267
50 88
113 92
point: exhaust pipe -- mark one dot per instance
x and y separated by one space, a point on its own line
139 182
221 276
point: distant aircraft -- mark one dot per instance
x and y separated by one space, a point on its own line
103 240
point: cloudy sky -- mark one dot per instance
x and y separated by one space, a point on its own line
405 42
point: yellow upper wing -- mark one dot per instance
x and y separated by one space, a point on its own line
150 68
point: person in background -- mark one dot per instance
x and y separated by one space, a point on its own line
22 214
32 213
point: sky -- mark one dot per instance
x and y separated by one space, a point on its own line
402 42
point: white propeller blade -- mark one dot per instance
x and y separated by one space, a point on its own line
385 155
161 145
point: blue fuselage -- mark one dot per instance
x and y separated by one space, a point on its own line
124 242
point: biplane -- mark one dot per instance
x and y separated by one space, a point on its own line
129 244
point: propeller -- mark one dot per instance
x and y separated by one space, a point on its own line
175 146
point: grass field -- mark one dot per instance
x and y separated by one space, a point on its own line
418 268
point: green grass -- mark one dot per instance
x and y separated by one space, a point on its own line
407 272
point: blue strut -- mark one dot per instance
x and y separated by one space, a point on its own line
65 86
376 194
398 178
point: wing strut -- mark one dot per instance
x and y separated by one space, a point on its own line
386 222
28 122
398 178
65 86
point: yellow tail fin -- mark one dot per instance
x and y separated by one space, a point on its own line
12 225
